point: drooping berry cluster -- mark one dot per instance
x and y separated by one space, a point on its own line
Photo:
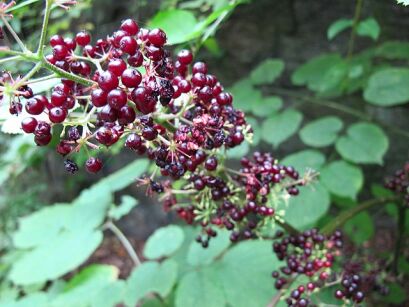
128 87
311 254
351 284
399 183
239 204
366 274
175 111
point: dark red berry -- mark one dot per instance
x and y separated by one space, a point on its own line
83 38
130 26
185 57
93 165
116 66
29 124
60 52
99 97
128 45
211 163
157 37
131 77
34 106
117 99
57 115
107 81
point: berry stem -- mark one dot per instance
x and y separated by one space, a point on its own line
43 36
348 214
124 241
31 73
67 75
13 58
13 33
400 232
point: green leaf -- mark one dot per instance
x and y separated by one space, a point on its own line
57 239
197 255
39 299
111 295
179 25
267 71
321 132
360 228
56 257
321 74
150 277
393 50
200 289
164 242
245 274
388 87
369 27
239 151
337 27
267 106
342 179
305 159
397 294
127 204
280 127
308 207
41 226
90 283
123 177
245 95
364 143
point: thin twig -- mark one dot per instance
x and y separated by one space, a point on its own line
399 240
342 108
124 241
13 33
348 214
357 16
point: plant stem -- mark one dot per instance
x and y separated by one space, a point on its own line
124 241
357 16
64 74
13 58
339 107
13 33
43 36
348 214
287 227
31 73
400 233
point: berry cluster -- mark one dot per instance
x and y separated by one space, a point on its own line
399 183
220 200
362 276
127 87
311 254
174 110
351 284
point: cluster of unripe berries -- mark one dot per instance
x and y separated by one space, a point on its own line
399 183
309 253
